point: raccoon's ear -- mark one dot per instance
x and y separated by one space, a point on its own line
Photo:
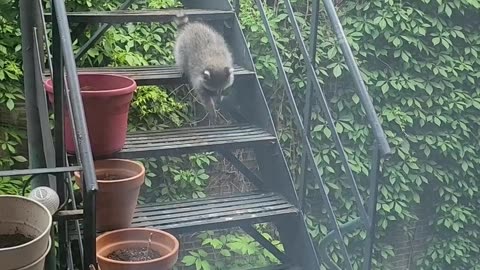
228 71
206 74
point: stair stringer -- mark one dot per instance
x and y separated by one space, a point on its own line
251 103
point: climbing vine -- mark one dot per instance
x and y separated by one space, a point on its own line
11 96
420 62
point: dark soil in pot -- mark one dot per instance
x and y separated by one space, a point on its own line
134 254
109 176
12 240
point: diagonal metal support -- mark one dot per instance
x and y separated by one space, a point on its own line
330 237
265 243
99 33
300 127
242 168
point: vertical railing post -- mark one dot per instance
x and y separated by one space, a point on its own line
372 207
236 6
58 88
36 156
307 112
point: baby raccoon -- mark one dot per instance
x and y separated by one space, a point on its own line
205 59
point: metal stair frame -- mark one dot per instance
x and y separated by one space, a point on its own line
274 171
63 55
273 167
249 104
381 149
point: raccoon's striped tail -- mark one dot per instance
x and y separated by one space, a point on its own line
181 20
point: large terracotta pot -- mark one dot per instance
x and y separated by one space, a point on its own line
119 183
162 242
106 101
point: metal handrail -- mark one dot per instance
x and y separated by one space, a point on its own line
381 149
298 122
60 20
378 133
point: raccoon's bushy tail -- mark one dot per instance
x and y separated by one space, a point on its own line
181 20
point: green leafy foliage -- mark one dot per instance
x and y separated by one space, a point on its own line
10 85
153 108
420 62
234 250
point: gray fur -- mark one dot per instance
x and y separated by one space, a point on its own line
204 57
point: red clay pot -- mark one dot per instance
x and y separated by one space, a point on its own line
164 243
106 101
116 199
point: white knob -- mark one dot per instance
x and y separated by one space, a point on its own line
46 196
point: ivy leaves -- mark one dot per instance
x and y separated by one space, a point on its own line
420 62
11 95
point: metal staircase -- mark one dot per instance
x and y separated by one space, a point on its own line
275 201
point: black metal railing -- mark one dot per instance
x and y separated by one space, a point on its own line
40 137
64 60
381 148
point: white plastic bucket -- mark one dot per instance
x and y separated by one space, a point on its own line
30 218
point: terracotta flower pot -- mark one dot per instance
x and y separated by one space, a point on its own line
162 242
119 182
106 101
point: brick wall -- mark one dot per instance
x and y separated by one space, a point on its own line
410 241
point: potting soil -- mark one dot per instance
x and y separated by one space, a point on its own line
134 254
109 177
12 240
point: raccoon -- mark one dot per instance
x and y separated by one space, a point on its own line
203 56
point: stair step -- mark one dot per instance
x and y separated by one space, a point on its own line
194 139
151 75
211 213
151 15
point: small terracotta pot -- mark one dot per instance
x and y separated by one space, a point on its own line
164 243
116 198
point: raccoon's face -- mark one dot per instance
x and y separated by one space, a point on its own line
217 80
